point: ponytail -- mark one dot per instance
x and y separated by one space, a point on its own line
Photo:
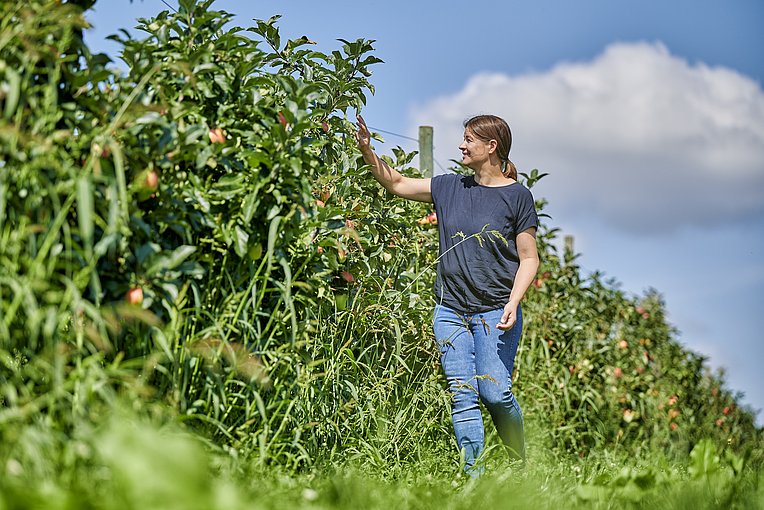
510 170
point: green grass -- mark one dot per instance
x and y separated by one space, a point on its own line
131 463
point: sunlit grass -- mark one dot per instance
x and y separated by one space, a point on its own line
129 463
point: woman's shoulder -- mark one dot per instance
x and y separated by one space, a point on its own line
445 181
452 179
448 176
520 189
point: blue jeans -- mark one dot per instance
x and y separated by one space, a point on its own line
478 359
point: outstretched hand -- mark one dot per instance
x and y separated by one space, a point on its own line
363 136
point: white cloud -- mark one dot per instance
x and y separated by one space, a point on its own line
637 136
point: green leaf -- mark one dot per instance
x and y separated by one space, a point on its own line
164 261
241 239
14 92
85 209
250 206
703 459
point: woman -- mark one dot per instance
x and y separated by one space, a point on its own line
487 260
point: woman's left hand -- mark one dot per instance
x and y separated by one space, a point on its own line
509 317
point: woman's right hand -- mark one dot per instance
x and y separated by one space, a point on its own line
405 187
363 136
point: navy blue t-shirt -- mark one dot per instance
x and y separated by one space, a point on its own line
478 254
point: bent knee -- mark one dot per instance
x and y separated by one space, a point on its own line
496 396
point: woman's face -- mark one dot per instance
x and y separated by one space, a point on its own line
474 150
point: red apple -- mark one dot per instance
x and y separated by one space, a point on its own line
216 135
152 179
134 296
348 276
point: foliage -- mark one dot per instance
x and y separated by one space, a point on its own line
605 368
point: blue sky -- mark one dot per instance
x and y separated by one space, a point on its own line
648 116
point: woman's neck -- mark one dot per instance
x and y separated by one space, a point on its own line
490 175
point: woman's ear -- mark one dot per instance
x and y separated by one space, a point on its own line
492 145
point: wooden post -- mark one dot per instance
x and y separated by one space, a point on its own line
425 150
569 243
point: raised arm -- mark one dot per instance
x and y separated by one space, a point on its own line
389 178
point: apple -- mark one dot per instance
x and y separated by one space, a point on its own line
430 219
341 301
617 372
348 276
255 251
623 344
134 296
152 179
282 119
217 135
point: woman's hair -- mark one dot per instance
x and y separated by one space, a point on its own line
491 127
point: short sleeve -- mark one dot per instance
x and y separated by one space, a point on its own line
436 187
526 212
